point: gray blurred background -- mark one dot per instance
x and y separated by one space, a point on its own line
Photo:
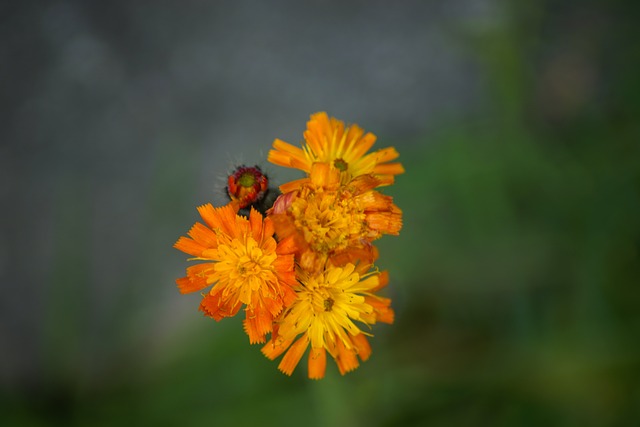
514 279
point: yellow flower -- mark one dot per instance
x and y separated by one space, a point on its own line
324 315
328 141
330 221
245 265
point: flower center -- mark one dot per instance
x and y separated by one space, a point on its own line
245 267
247 185
341 165
328 222
247 179
319 296
328 304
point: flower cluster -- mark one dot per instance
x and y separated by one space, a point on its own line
304 271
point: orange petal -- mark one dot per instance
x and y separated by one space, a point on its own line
257 324
384 180
203 235
364 254
294 185
208 213
389 169
196 278
383 279
186 286
363 183
212 306
284 263
288 294
286 246
285 269
362 346
345 358
189 246
373 201
317 363
267 229
293 355
385 155
200 271
381 306
273 349
310 260
288 233
353 138
287 155
230 221
385 222
255 222
319 129
273 306
223 218
287 280
323 175
365 143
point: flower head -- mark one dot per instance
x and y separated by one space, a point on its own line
299 260
329 221
343 148
244 264
324 314
247 185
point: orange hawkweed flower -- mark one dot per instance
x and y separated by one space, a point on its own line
344 148
324 315
244 264
334 222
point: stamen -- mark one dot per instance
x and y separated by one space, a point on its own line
341 165
328 304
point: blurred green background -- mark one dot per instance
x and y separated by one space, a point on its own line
515 279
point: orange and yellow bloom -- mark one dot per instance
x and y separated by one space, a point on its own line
245 265
324 316
304 273
334 221
343 148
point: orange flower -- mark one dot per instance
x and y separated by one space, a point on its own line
324 315
244 264
328 221
328 141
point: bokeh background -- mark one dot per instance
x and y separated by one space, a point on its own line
515 280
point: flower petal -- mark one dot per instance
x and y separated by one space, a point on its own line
293 355
317 363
